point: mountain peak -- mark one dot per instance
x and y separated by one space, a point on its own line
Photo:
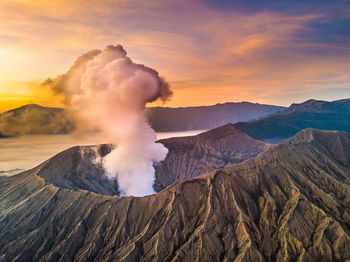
317 135
335 143
79 168
309 105
305 135
25 107
319 106
29 107
196 155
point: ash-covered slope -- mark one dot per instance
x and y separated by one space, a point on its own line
291 203
195 155
80 167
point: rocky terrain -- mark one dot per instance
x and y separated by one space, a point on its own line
312 113
290 203
80 167
195 155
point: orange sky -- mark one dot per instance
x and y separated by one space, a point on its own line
208 54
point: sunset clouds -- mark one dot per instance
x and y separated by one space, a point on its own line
210 52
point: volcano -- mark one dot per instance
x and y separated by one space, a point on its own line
289 203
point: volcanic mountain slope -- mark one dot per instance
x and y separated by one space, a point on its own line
291 203
310 114
195 155
81 167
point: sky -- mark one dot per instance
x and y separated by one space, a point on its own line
272 52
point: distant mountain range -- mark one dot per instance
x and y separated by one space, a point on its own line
262 122
164 119
318 106
312 113
290 203
35 119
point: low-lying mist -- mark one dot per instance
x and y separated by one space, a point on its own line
25 152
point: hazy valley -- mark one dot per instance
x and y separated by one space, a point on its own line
23 152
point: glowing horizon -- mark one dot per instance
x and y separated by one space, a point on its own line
210 52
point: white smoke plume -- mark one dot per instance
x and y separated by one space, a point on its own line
107 91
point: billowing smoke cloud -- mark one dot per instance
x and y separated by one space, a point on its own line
106 90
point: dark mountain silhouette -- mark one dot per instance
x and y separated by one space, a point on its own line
290 203
318 106
310 114
206 117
